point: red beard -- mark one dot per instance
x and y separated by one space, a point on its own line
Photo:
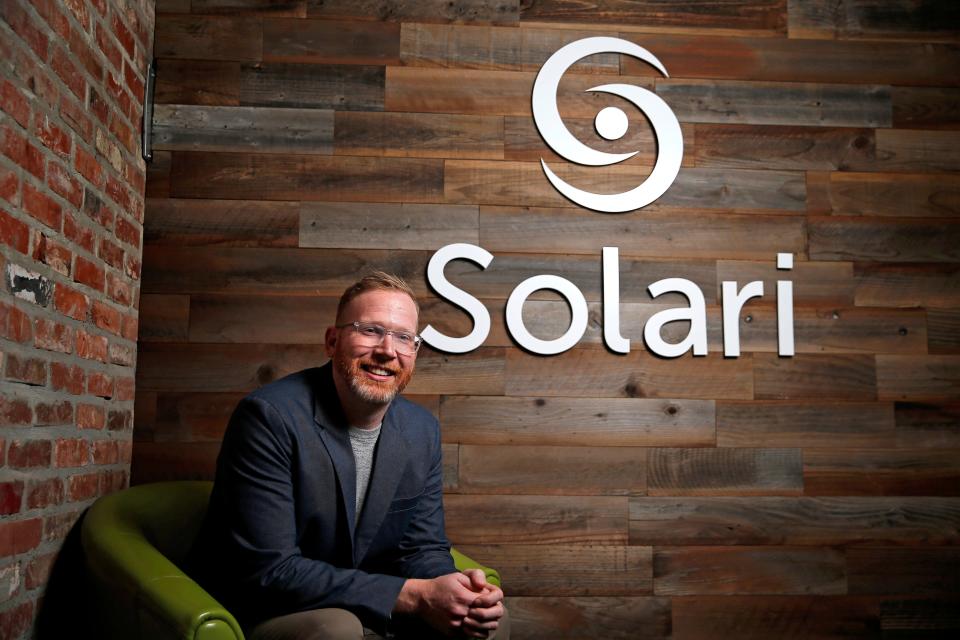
369 390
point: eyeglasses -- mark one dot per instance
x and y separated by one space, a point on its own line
373 335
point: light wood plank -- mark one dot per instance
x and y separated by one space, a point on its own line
918 377
330 41
862 425
616 618
470 11
725 471
418 135
341 87
369 225
825 377
225 223
914 151
907 285
260 319
884 240
900 195
814 283
896 472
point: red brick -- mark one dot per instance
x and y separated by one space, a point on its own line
123 34
15 411
131 267
88 273
118 193
13 102
20 150
71 302
52 136
11 496
133 79
63 66
124 134
54 413
125 389
97 209
119 94
38 571
110 50
15 621
63 183
106 317
14 324
118 289
114 481
100 5
72 452
112 254
78 234
25 27
86 164
124 451
76 118
81 49
9 186
91 347
29 454
69 378
52 253
100 384
32 371
13 233
119 420
90 416
49 11
129 328
42 207
122 354
36 77
105 452
127 232
83 487
45 493
98 106
52 336
57 526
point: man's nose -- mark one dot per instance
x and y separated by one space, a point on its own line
386 346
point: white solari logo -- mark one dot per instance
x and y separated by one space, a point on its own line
611 123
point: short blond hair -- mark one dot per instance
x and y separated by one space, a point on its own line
376 281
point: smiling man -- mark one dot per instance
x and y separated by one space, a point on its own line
326 517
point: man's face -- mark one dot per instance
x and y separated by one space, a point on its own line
373 374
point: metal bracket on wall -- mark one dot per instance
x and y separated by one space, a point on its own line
147 124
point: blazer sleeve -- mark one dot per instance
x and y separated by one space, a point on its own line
254 491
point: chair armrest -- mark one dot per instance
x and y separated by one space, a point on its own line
464 562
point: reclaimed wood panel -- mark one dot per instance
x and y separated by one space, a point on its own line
926 107
905 571
918 377
295 8
641 234
330 86
826 377
201 82
943 330
418 135
370 225
162 461
235 38
883 240
247 176
725 471
814 423
862 520
615 422
260 319
913 617
469 11
778 103
781 147
451 466
569 570
899 195
542 520
585 372
907 285
814 283
193 417
926 20
242 129
330 42
158 175
225 223
899 472
616 618
164 318
682 571
753 618
928 424
553 470
914 151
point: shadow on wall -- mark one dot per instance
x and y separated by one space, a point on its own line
62 613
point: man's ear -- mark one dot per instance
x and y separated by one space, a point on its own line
330 341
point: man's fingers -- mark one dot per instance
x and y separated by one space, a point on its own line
477 578
489 597
485 614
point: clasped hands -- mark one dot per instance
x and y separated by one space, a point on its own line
458 604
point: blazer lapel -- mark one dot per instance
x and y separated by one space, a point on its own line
333 433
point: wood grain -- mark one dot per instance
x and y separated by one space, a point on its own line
883 240
928 424
861 425
907 285
469 11
451 466
418 135
890 472
295 8
330 42
553 470
914 151
158 175
616 618
164 317
904 571
202 82
918 377
862 520
370 225
209 38
725 471
926 20
911 617
826 377
315 86
161 461
926 108
943 329
814 283
260 319
193 417
226 223
901 195
746 570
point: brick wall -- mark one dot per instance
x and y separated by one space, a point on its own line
71 211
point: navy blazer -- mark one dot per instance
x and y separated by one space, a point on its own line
279 535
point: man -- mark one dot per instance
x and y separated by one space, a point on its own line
326 517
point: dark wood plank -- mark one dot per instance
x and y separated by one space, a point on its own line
330 42
569 570
862 425
586 372
780 147
158 175
887 194
926 20
451 466
209 38
162 461
242 129
193 417
684 571
824 377
226 223
761 618
794 521
552 470
418 135
209 82
457 11
814 283
926 108
622 422
144 416
883 240
888 472
260 319
616 618
316 86
925 424
725 471
943 327
907 285
642 234
918 377
784 103
544 520
920 617
164 318
294 8
764 16
914 151
369 225
904 571
305 177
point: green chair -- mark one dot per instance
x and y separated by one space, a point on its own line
133 542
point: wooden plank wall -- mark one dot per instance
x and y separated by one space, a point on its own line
299 143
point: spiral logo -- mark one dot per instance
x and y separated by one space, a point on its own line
611 123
